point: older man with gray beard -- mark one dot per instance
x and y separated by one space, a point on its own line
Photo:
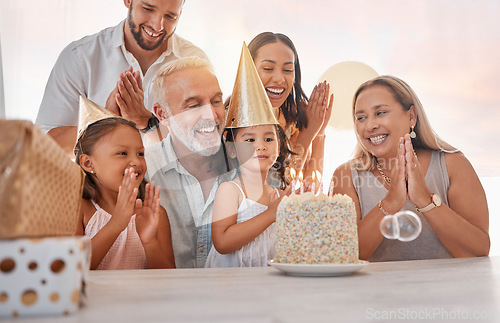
190 163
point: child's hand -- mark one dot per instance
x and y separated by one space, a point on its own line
148 215
275 199
127 193
287 191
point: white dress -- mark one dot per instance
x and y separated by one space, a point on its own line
254 254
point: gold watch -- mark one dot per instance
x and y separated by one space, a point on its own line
436 201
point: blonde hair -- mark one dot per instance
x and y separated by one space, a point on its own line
426 137
159 91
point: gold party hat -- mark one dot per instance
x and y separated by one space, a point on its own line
250 105
90 113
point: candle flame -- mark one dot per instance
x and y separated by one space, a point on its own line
301 176
318 175
292 173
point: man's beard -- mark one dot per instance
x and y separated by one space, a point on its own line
136 32
188 137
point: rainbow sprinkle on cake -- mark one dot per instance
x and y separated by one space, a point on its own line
316 230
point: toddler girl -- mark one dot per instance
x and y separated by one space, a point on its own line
244 211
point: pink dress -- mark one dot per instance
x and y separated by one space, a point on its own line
127 251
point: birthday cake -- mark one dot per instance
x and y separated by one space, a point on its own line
316 229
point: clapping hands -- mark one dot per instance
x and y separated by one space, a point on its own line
319 109
127 98
409 182
418 192
126 201
147 212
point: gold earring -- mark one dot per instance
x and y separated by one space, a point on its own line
413 135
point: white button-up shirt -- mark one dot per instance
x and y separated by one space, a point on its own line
91 67
182 197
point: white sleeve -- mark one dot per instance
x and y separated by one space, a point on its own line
67 81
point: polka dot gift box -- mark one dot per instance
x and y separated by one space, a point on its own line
43 276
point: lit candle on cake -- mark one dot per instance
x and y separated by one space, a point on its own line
313 183
301 182
292 175
319 177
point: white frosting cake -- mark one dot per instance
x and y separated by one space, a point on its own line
316 230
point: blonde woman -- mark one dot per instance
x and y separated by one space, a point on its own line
401 164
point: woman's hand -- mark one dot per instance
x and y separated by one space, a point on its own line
397 195
148 214
316 109
327 105
127 193
418 192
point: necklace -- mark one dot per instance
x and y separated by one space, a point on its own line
384 176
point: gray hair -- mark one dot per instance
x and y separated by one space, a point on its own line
160 92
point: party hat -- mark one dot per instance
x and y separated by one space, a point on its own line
90 113
250 105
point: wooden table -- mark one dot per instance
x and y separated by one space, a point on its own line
413 291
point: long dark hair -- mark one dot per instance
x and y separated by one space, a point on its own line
284 156
293 108
85 145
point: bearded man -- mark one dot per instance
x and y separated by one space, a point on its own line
114 68
189 164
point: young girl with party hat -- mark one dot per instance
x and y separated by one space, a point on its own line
244 213
120 212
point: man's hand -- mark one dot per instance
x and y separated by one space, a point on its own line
130 98
127 99
111 104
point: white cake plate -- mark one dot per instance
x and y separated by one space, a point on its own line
323 270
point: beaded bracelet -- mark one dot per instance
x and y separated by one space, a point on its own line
382 209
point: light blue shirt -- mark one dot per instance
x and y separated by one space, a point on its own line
181 195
